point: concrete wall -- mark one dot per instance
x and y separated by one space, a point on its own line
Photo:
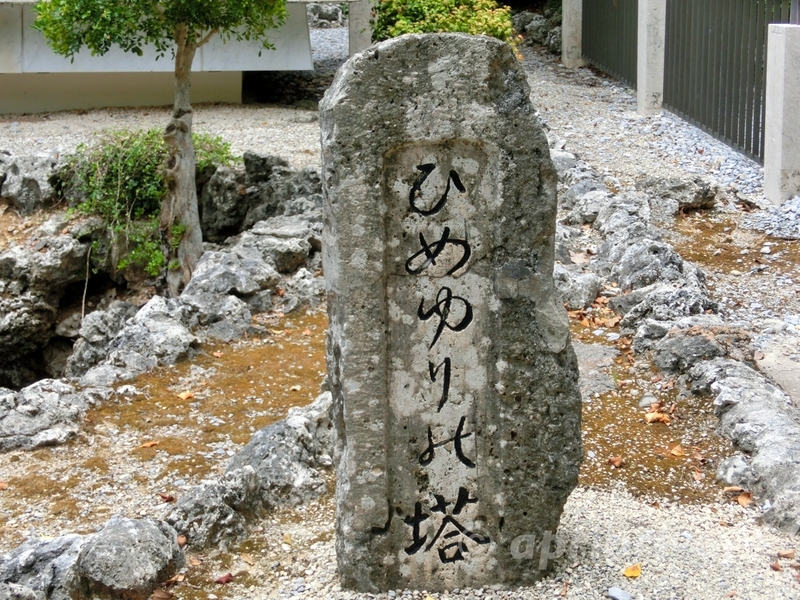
34 79
782 123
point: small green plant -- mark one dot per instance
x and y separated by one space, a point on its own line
480 17
119 178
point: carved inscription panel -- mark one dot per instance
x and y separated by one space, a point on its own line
438 296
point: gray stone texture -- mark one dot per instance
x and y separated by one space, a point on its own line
398 121
764 423
46 413
128 558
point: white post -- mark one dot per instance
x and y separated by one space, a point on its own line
359 13
782 124
650 56
572 33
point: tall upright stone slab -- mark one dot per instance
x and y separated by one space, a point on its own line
457 408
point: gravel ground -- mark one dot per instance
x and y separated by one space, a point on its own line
694 552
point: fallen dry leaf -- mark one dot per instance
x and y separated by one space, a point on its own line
227 578
632 571
564 589
794 565
182 541
616 461
306 332
217 354
744 499
3 486
194 562
148 445
730 594
175 579
295 388
162 595
248 559
186 395
167 497
287 538
698 475
657 417
786 554
657 378
732 489
280 292
677 451
775 567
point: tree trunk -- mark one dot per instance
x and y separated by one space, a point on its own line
181 238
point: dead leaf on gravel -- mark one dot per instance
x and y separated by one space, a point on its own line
306 332
698 475
730 594
775 567
3 486
148 445
175 579
227 578
186 395
217 354
794 565
616 461
732 489
194 562
162 595
182 541
167 497
677 451
248 559
632 571
744 499
657 417
295 388
786 554
287 538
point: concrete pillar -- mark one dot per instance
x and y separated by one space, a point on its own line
359 13
650 56
782 125
572 33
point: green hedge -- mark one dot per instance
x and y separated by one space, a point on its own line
479 17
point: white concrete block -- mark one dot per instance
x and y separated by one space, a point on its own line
360 30
10 38
572 33
782 121
652 30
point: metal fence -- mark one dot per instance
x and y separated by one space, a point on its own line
715 66
609 37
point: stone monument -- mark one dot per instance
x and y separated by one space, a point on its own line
456 402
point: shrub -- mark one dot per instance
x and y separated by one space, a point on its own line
481 17
119 178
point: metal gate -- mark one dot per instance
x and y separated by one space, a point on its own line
715 66
609 37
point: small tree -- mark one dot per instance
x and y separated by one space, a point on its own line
181 26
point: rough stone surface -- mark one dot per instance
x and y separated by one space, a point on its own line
128 558
578 289
689 194
286 455
460 162
45 413
97 329
537 29
217 513
681 348
762 421
278 467
27 181
48 569
285 243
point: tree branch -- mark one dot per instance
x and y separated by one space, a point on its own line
207 37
